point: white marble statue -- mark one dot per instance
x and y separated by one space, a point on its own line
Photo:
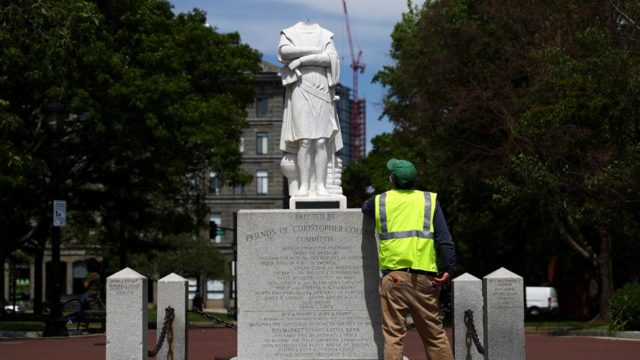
310 126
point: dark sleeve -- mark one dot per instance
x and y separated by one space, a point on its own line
369 207
444 242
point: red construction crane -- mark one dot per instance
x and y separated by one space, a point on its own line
358 117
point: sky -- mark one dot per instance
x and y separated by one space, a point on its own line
259 23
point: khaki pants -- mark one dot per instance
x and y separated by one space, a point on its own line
402 293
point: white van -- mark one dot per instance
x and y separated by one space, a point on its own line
541 299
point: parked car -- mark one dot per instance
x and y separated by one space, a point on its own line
11 309
541 300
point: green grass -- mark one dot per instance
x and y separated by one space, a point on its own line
21 322
21 326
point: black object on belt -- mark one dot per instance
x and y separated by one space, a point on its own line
419 272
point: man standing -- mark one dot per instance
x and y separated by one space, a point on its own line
410 226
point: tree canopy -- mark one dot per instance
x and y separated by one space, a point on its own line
151 101
525 116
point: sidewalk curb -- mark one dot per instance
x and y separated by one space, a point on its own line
626 335
629 335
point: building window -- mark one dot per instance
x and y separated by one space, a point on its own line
238 190
80 272
262 143
215 183
262 180
218 219
241 144
262 107
193 287
215 290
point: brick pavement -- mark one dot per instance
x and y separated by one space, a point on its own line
220 343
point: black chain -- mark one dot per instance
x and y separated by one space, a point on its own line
170 341
169 315
214 319
471 330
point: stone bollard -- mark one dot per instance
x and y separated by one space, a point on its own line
467 295
126 316
172 291
503 316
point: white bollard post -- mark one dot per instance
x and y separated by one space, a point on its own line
127 316
467 295
503 316
172 291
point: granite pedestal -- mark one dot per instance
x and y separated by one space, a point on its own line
307 285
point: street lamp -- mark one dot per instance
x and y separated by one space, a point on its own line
56 324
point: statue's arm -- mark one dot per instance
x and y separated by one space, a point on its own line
314 60
290 52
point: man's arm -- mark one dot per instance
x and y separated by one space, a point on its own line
444 242
369 207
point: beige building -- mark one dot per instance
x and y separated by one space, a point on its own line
260 158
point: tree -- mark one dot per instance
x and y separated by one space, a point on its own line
177 107
153 101
370 175
37 38
582 123
532 130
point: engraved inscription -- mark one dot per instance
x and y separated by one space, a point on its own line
302 289
123 287
314 334
505 294
311 265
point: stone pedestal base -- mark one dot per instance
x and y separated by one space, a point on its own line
307 286
318 202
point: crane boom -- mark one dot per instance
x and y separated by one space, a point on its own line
358 108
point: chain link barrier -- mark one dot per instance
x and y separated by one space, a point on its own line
170 340
167 327
471 330
213 319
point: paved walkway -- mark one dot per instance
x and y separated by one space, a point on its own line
220 344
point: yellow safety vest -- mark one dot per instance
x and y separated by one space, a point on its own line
405 234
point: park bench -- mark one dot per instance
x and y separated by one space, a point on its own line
94 311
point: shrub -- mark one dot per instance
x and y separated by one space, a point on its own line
625 308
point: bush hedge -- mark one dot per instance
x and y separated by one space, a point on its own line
625 308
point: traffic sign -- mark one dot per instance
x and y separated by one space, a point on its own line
59 213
